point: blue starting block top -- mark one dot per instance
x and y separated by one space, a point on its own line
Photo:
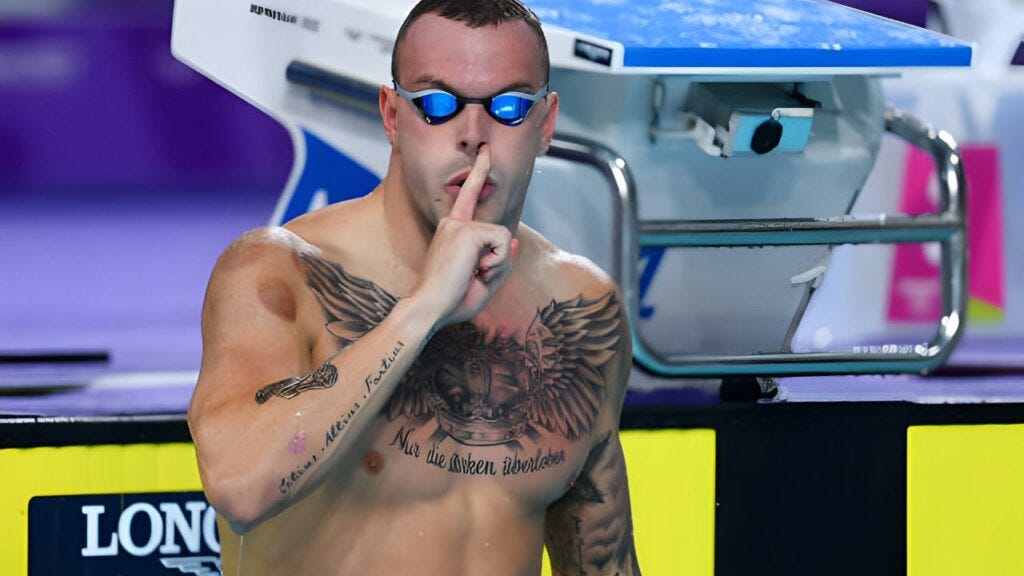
728 34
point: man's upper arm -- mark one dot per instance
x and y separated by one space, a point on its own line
251 324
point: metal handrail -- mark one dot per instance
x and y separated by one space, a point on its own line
624 211
948 227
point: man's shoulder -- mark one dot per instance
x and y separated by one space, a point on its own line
568 272
262 250
584 299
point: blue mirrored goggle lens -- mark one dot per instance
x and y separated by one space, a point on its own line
510 108
438 106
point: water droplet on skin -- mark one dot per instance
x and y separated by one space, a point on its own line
421 532
487 544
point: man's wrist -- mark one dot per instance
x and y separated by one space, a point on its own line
418 316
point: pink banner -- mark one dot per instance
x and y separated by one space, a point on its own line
915 293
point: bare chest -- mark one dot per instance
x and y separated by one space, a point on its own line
483 408
513 397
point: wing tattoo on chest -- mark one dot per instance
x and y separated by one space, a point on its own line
485 390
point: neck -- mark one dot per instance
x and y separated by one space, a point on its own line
408 234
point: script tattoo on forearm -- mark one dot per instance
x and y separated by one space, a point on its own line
590 529
373 380
338 426
325 376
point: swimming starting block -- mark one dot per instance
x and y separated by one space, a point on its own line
721 146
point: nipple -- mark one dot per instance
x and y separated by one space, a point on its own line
373 462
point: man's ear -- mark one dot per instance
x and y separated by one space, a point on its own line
388 112
548 128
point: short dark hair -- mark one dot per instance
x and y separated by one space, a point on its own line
474 14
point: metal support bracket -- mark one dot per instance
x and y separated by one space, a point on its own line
947 227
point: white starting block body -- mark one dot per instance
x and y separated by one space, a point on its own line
708 153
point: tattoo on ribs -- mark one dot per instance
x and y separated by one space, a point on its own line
325 376
485 390
584 488
591 528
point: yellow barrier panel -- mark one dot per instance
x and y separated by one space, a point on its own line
672 491
671 475
72 470
965 500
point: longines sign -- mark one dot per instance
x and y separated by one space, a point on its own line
138 534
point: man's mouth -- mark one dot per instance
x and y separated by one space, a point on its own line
454 186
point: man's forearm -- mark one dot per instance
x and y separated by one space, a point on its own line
319 416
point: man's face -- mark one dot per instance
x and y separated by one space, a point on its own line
475 63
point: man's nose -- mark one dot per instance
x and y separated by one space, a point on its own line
475 127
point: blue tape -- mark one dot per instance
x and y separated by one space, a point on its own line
327 174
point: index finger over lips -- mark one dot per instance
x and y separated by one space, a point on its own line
465 202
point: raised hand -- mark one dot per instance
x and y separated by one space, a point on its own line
467 260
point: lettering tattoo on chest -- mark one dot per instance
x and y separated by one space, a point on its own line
480 390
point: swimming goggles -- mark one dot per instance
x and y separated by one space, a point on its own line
437 106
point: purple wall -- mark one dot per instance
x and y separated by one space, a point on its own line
93 96
123 174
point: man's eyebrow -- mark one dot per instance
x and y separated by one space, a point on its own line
441 84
